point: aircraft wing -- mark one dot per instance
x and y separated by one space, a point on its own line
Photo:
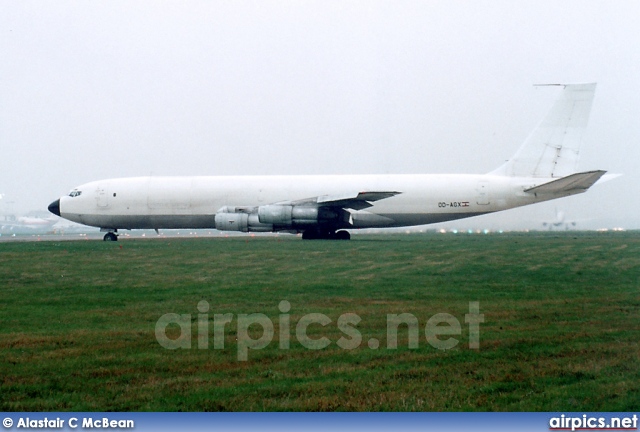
353 201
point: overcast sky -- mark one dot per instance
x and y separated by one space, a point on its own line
92 90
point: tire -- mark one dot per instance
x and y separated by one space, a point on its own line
110 237
310 235
342 235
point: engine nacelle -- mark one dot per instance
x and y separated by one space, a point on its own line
244 222
287 215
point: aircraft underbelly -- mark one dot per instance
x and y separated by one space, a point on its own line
150 221
427 218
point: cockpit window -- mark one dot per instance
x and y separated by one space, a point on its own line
75 193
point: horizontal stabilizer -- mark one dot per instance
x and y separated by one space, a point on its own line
574 183
610 176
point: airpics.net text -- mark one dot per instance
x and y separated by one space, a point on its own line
439 331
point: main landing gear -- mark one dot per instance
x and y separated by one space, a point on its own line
326 235
110 236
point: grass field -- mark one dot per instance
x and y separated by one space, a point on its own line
561 323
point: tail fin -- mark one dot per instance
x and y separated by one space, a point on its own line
552 150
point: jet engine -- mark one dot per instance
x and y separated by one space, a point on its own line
276 217
288 215
229 219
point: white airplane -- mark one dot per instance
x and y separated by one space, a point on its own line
559 222
27 224
325 207
10 223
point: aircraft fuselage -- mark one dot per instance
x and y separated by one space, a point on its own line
192 202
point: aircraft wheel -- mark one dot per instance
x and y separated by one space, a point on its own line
310 235
110 237
342 235
313 234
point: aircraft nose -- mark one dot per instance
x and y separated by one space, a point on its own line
54 207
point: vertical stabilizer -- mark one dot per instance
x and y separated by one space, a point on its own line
553 148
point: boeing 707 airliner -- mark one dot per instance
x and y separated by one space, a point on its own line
328 206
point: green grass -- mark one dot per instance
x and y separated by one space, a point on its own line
561 330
